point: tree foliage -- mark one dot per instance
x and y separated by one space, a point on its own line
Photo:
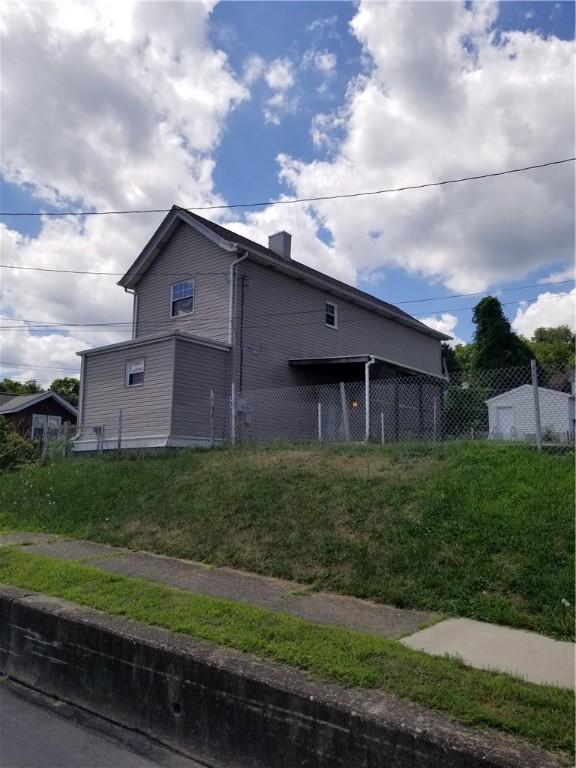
20 387
68 387
554 347
495 343
14 449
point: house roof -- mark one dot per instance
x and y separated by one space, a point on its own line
21 402
233 242
141 341
541 390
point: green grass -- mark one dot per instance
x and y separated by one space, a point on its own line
542 714
478 530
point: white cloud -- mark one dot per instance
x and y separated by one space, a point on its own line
446 323
281 79
280 75
323 61
548 311
254 68
128 105
564 274
446 97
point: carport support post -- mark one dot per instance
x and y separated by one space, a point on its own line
534 370
367 396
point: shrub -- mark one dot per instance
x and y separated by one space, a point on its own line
15 450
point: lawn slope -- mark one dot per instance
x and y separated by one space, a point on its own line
477 530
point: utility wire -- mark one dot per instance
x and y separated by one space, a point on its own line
319 198
53 324
110 274
283 325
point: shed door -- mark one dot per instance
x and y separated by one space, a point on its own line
505 420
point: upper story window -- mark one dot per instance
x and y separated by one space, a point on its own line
331 315
135 372
182 298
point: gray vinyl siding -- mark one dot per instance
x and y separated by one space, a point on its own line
187 255
270 339
199 369
146 409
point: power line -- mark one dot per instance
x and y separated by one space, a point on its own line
291 201
114 329
110 274
54 324
7 364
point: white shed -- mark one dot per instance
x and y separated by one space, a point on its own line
511 414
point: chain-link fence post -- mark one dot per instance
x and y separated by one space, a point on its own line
319 422
534 371
345 421
233 414
382 427
120 429
211 418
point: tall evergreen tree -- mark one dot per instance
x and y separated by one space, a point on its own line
495 343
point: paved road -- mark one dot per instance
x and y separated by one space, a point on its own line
33 735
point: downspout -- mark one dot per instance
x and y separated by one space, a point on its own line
367 396
134 309
231 309
232 282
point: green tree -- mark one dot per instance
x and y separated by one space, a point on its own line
495 343
20 388
553 348
68 387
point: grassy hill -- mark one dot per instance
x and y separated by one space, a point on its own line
477 530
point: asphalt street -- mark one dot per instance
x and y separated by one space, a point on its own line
34 734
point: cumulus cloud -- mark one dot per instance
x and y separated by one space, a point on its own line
281 79
549 310
446 96
128 105
446 323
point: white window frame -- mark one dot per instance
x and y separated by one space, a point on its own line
192 296
134 362
328 325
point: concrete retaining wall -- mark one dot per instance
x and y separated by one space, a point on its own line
225 707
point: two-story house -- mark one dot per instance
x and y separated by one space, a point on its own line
216 315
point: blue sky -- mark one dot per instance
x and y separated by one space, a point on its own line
357 76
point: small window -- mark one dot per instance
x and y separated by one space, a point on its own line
135 372
182 298
39 421
331 315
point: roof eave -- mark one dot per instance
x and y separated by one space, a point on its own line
160 238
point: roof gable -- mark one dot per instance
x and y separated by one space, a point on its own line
232 242
21 402
525 387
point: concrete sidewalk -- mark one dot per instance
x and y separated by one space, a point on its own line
485 646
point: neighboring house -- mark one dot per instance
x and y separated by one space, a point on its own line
33 416
215 311
511 415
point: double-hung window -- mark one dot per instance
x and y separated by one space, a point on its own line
42 424
331 315
135 372
182 298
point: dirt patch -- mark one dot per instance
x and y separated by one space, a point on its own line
356 465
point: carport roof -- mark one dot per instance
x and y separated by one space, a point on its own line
316 362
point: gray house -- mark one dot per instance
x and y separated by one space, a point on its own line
216 316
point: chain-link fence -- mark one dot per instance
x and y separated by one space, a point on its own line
530 405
